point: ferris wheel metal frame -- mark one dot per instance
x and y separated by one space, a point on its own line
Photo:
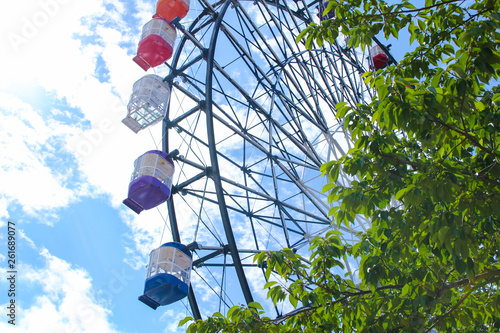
294 83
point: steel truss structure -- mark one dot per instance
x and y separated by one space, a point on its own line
252 114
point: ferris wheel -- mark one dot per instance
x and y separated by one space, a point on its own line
250 120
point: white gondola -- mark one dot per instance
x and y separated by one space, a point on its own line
148 103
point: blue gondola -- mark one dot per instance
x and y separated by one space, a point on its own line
168 277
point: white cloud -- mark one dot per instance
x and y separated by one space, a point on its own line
66 303
25 175
52 58
144 10
146 231
3 211
172 318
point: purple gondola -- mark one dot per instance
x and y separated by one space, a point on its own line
151 182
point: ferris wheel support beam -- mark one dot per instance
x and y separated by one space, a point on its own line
176 237
215 165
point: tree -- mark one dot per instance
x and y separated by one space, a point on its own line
430 141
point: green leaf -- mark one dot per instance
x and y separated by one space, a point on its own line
268 272
310 41
443 232
303 33
255 305
460 265
327 187
421 25
184 321
408 5
410 81
459 70
405 290
382 92
293 301
269 284
333 233
334 173
437 77
232 310
403 191
341 112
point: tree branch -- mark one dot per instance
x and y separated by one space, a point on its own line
415 164
489 274
364 292
417 10
450 311
465 297
397 160
467 135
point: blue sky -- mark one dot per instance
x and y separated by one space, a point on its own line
66 76
67 73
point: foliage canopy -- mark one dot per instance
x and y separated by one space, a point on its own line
427 167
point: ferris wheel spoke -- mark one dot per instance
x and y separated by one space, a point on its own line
222 296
